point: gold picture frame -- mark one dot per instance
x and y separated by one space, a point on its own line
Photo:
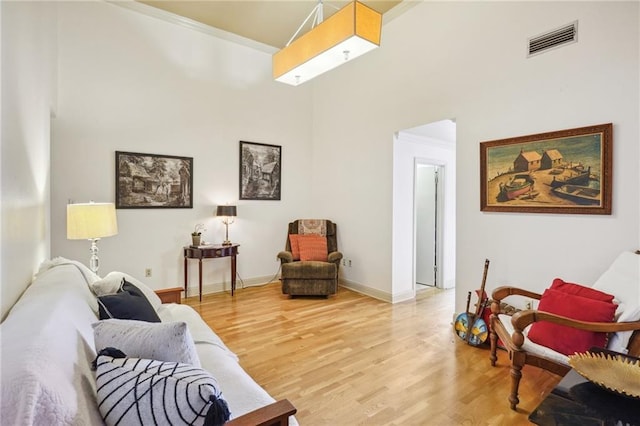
567 171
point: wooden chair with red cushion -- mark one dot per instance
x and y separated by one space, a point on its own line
570 318
311 259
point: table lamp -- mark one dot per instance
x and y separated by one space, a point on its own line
227 213
91 221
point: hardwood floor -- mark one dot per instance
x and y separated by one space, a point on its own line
354 360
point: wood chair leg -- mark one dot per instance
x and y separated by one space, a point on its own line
493 338
516 375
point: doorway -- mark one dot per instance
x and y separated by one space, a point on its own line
428 145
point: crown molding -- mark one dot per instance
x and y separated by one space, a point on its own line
191 24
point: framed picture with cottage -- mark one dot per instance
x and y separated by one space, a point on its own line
260 171
566 171
153 181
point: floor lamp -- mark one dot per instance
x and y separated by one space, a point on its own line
91 221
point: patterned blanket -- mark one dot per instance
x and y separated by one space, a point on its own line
312 226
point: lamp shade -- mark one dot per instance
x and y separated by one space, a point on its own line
226 211
350 32
91 220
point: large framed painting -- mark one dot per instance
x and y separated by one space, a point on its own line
153 181
260 168
566 171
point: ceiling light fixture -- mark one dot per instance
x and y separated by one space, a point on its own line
350 32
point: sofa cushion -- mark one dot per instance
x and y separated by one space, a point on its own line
568 340
112 282
530 346
313 247
309 270
134 391
295 246
580 290
47 349
169 341
128 303
621 279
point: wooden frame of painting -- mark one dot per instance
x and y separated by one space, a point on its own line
152 181
260 171
566 171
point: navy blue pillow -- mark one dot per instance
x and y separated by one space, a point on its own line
128 303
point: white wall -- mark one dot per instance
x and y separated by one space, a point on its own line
28 91
468 60
130 82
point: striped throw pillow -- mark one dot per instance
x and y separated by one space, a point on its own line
313 247
136 391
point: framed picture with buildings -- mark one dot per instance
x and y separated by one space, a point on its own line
260 168
153 181
566 171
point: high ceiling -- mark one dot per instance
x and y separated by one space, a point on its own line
271 22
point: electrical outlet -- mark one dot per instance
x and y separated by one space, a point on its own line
529 304
147 272
344 262
349 263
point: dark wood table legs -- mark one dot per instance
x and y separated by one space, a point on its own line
210 252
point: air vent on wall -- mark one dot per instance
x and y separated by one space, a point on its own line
552 39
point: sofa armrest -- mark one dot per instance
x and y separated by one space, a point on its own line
334 257
170 295
276 414
285 257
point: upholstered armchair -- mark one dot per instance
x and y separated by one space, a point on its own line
311 259
566 323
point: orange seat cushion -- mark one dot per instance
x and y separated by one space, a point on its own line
313 247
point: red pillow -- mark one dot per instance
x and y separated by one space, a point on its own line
313 247
580 290
295 246
565 339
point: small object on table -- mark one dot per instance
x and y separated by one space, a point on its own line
612 372
576 400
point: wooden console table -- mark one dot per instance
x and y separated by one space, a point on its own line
210 252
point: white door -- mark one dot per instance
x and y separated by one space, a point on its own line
426 224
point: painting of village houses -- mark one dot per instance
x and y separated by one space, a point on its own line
559 172
153 181
260 166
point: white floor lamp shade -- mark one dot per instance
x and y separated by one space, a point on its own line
91 221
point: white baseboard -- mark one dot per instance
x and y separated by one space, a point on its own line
226 285
367 291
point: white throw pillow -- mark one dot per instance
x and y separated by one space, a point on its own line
619 341
113 280
133 391
169 341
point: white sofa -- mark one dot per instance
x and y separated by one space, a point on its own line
48 346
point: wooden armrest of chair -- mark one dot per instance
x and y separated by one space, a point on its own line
501 292
276 414
522 319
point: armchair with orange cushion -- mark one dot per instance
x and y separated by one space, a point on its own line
311 259
570 318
